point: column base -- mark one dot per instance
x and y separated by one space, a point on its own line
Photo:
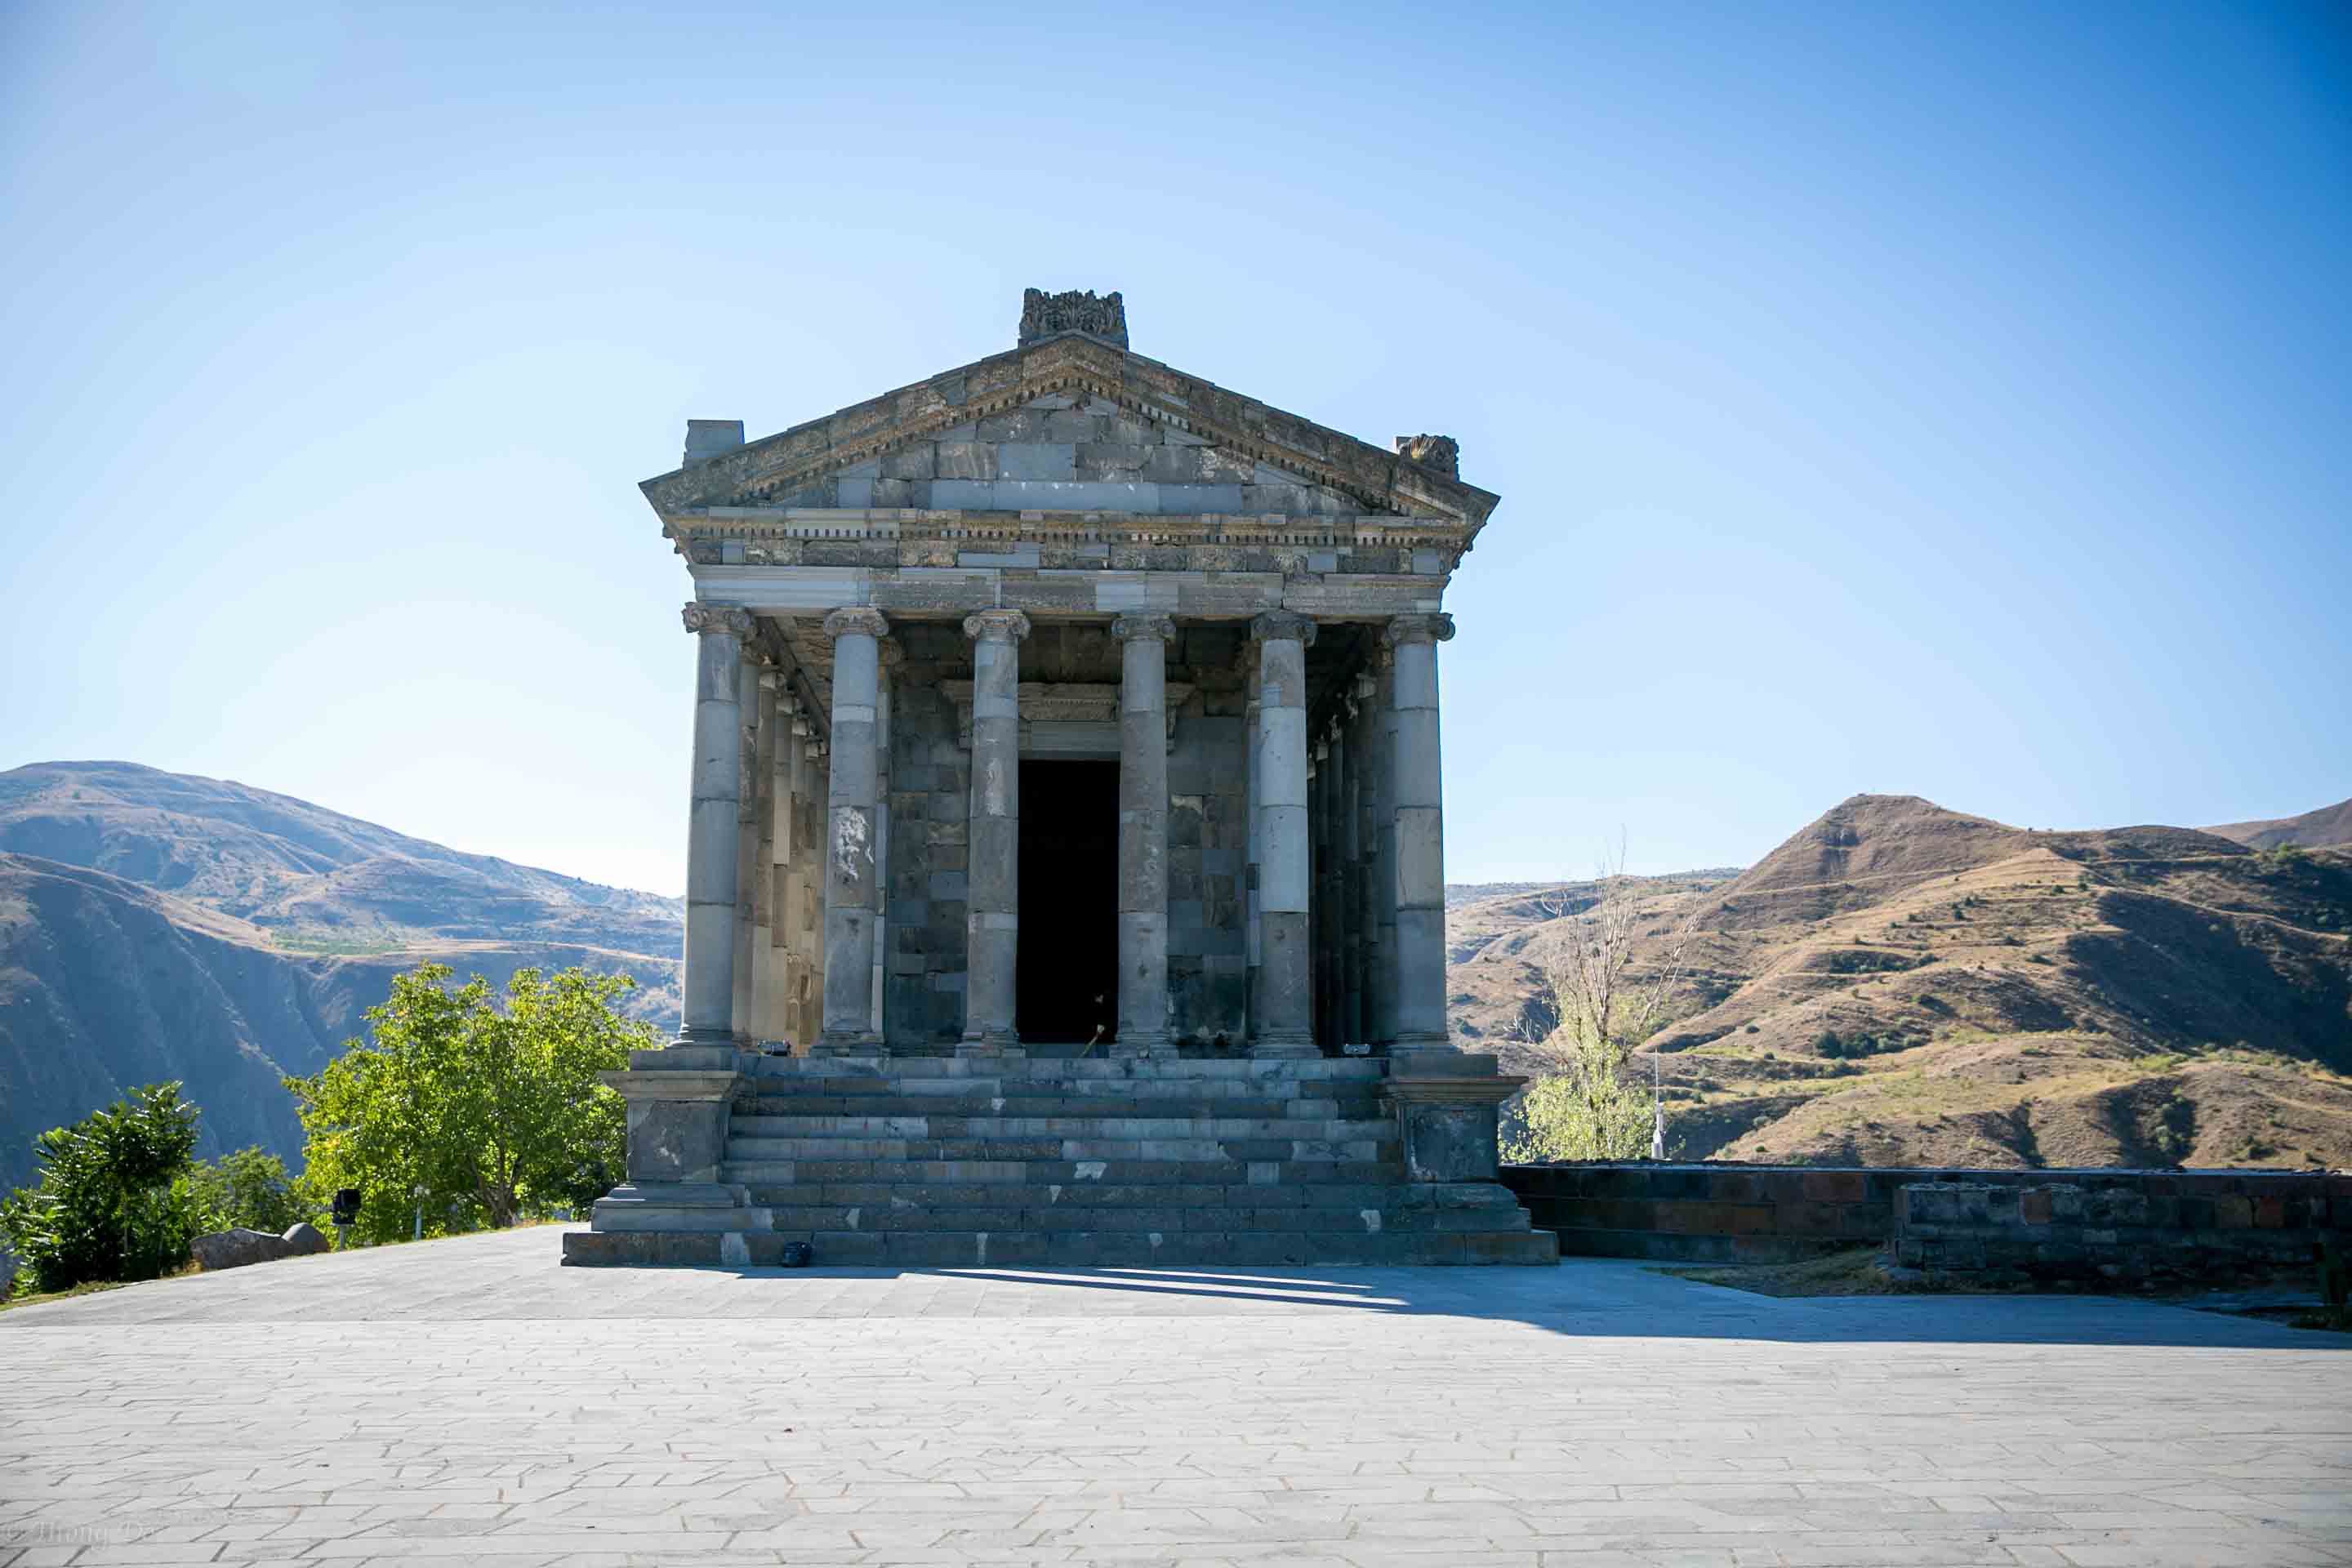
1142 1048
993 1043
1297 1047
687 1036
848 1043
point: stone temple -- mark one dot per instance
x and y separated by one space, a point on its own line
1065 875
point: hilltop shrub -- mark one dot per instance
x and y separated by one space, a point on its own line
115 1199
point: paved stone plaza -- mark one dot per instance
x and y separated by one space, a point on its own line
469 1401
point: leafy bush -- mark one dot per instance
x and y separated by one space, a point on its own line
115 1198
248 1189
1590 1111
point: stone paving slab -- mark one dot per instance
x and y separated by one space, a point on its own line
470 1402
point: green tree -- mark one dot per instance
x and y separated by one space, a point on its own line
114 1199
489 1111
248 1188
1586 1108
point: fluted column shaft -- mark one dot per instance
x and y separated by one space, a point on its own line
849 850
1143 835
1326 923
1380 919
713 825
1420 829
1251 946
1351 871
992 878
747 843
1284 1019
764 965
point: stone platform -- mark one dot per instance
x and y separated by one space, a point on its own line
992 1160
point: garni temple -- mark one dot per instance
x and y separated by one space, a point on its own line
1066 879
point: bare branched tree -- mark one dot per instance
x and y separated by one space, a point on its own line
1606 1007
1589 964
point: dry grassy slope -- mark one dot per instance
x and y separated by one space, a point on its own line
2329 825
2140 996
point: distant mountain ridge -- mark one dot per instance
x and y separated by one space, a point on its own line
282 863
1900 983
2329 826
156 926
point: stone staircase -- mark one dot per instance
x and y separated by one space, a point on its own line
988 1162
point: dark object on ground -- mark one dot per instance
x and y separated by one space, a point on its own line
345 1209
797 1254
236 1248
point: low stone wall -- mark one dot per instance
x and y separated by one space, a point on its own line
2166 1226
1711 1213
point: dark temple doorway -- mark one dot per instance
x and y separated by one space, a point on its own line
1067 973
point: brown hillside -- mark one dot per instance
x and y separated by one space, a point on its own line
2329 825
1900 983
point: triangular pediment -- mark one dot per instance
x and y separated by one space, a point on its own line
1070 423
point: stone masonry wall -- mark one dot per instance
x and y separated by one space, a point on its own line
2163 1226
1733 1213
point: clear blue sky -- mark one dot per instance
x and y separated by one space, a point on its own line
1946 401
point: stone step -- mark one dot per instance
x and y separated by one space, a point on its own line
1049 1217
1350 1197
1190 1104
1126 1128
1095 1073
1069 1249
1171 1149
767 1173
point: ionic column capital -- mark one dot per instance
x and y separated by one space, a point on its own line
1418 628
862 619
1153 628
996 625
717 620
1284 626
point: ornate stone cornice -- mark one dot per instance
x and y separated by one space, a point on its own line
996 625
1441 453
1284 626
1075 366
717 620
861 619
1156 629
1418 628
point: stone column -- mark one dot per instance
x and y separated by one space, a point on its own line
1143 835
1284 1019
763 1028
1420 831
1250 940
709 979
1319 877
1379 910
1351 874
812 911
992 878
782 806
747 840
847 852
890 655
